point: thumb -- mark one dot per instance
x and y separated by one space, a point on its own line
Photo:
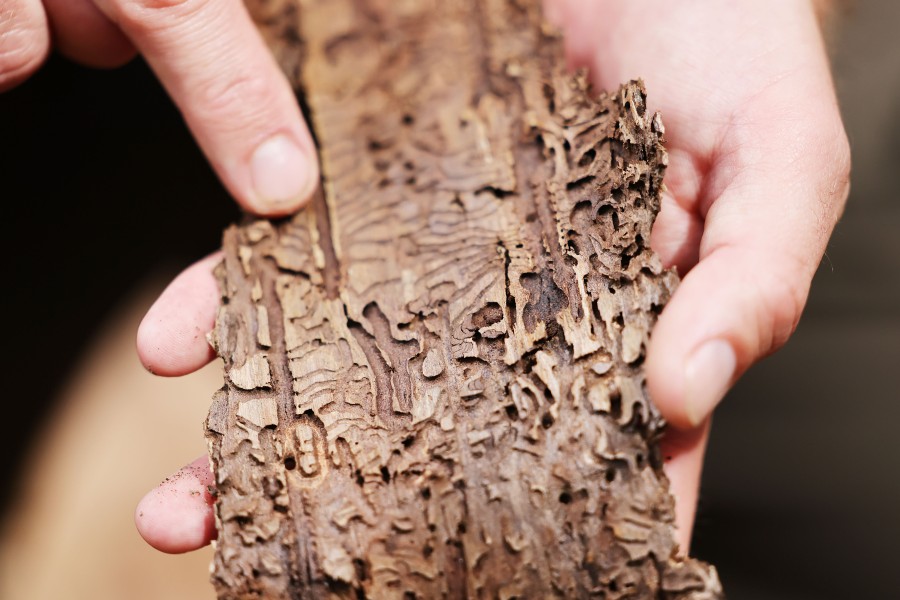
762 242
734 307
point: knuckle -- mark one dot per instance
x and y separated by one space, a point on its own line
23 49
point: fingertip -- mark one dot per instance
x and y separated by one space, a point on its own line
178 516
665 379
171 349
737 305
693 359
171 339
709 371
694 382
284 175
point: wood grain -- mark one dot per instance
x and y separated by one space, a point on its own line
434 384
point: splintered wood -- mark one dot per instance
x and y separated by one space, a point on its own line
434 384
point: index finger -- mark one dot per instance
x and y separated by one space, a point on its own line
236 101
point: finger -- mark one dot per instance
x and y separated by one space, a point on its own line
171 340
678 228
764 235
24 41
237 102
82 33
683 462
178 516
676 235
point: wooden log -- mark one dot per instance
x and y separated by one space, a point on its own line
433 375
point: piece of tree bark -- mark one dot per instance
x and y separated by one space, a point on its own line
433 375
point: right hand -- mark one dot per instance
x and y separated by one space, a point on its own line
213 63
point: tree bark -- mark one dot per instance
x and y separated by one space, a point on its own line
433 374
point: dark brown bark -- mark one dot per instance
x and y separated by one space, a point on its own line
434 384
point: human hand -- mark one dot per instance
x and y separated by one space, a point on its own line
757 178
211 60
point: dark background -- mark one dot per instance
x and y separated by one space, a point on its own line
102 185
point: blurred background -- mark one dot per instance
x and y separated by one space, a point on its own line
106 197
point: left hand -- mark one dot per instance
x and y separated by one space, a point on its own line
758 176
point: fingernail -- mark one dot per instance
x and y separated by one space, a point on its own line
707 375
280 171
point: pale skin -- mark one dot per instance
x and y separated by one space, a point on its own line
758 177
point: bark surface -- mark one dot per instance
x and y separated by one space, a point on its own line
433 375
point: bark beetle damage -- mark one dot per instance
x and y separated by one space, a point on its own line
434 384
